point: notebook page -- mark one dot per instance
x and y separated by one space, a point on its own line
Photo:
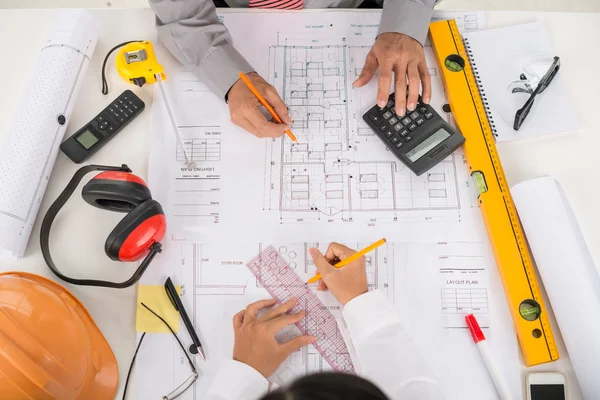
500 56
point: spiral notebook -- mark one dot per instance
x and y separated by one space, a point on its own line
499 57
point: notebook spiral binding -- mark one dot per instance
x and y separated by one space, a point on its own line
480 86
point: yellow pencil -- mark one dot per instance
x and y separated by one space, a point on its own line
353 257
262 100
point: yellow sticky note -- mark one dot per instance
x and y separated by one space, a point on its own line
155 297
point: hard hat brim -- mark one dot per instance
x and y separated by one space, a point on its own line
104 369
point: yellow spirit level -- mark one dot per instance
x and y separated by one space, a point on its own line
499 213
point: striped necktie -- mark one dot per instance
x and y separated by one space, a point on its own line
277 4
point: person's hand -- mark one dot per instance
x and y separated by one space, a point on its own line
345 283
244 108
404 56
255 343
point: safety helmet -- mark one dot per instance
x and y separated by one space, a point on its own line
50 347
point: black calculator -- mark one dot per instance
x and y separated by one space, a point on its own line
420 139
89 139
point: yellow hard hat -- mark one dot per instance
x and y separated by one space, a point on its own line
50 347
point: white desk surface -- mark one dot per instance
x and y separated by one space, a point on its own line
78 241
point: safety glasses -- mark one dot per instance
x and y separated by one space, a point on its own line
179 390
522 113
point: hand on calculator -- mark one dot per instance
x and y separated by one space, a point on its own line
404 57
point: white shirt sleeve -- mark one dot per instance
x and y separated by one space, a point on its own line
386 352
237 381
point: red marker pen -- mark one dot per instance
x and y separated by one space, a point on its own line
484 350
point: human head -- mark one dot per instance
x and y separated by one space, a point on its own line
328 386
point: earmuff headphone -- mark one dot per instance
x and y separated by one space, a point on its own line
136 236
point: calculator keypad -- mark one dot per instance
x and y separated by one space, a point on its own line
377 119
414 138
399 130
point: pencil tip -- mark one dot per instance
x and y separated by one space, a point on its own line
201 353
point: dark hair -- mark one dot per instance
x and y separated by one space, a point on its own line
328 386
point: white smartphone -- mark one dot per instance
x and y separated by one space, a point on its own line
546 386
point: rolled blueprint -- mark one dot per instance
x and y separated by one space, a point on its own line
31 143
568 273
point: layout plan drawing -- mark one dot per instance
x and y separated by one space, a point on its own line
194 194
338 183
339 172
333 175
415 277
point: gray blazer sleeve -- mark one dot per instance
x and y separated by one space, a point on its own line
192 33
410 17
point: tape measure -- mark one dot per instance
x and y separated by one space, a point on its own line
499 213
137 64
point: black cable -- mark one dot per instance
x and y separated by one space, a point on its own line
176 337
51 215
140 344
104 82
131 365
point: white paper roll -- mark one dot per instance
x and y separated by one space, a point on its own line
568 274
31 144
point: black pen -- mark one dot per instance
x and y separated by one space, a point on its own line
195 348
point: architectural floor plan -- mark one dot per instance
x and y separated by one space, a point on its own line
338 183
338 171
217 284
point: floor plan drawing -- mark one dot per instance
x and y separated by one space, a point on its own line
225 278
339 183
222 283
340 168
431 284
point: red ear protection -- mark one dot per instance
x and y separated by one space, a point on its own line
143 225
132 237
136 236
116 191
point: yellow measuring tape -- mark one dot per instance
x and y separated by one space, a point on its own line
137 64
504 229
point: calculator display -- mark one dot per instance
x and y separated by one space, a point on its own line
426 145
87 139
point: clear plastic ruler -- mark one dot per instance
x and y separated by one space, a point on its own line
283 283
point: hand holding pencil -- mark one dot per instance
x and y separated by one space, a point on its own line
246 97
345 283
